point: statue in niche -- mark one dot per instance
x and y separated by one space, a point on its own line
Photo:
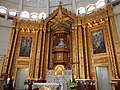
61 44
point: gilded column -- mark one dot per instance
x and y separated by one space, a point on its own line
33 56
114 38
80 51
46 53
73 50
76 53
42 56
86 52
111 52
38 55
7 58
13 51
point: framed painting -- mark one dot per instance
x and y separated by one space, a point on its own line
25 47
98 42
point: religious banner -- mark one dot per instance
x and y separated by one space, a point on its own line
98 42
25 48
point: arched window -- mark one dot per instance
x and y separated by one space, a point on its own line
90 8
25 14
100 3
12 12
34 15
3 10
42 15
81 10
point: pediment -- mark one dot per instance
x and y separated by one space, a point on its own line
60 15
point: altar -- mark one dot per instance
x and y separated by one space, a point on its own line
47 86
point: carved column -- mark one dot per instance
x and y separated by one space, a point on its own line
75 51
36 63
111 52
114 38
42 56
38 55
33 56
86 52
13 51
80 51
7 58
47 46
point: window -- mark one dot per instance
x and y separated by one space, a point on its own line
13 12
90 8
42 15
3 10
81 10
100 3
34 15
25 14
112 0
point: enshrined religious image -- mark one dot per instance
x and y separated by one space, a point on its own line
98 42
25 48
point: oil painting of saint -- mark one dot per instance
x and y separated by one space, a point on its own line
25 47
98 42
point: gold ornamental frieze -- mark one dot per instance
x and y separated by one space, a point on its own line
101 61
23 63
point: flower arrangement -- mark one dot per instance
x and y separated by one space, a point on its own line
72 84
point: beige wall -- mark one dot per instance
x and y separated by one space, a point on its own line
117 18
1 62
84 3
9 5
5 29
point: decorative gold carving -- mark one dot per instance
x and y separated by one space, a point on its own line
9 46
86 51
111 52
42 56
104 60
82 58
38 54
22 62
13 52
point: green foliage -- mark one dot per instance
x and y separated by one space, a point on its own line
72 84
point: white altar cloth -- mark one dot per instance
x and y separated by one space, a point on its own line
37 85
46 84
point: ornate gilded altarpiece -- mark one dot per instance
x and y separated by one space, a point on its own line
77 42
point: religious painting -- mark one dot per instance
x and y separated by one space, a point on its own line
25 48
98 42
